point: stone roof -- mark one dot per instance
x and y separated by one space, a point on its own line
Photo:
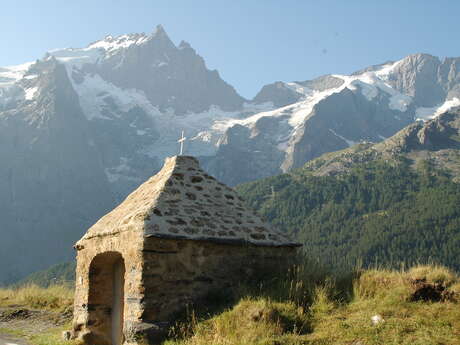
184 202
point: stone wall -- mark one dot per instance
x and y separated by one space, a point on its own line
95 263
178 272
162 277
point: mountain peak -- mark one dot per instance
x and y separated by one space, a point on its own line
421 56
112 43
159 34
184 45
420 59
159 30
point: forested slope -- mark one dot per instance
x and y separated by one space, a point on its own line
388 203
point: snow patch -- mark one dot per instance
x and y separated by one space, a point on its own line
370 83
368 90
297 112
302 90
205 136
102 49
30 93
385 72
93 91
111 44
430 113
77 57
195 125
9 75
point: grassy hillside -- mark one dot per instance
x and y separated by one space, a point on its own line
63 273
335 315
304 306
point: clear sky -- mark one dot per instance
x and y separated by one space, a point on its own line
250 42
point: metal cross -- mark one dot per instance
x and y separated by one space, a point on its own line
181 141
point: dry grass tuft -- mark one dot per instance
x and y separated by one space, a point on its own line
378 283
249 322
433 274
33 296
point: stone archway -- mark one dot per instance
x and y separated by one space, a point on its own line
106 298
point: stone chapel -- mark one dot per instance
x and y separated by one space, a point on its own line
177 237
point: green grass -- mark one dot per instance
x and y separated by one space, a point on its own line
49 337
12 332
303 305
250 321
332 315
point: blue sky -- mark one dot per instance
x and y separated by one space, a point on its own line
251 43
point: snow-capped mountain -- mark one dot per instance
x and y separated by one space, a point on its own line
82 127
331 113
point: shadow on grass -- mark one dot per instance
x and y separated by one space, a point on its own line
294 282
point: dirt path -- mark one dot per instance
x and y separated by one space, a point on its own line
28 322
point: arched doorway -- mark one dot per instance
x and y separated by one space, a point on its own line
106 298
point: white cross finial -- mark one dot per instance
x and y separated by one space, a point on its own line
181 141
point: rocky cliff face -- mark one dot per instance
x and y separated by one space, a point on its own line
171 77
436 141
80 128
52 185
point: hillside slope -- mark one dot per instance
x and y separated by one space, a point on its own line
392 202
308 305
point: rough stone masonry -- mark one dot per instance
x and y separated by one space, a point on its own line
178 237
